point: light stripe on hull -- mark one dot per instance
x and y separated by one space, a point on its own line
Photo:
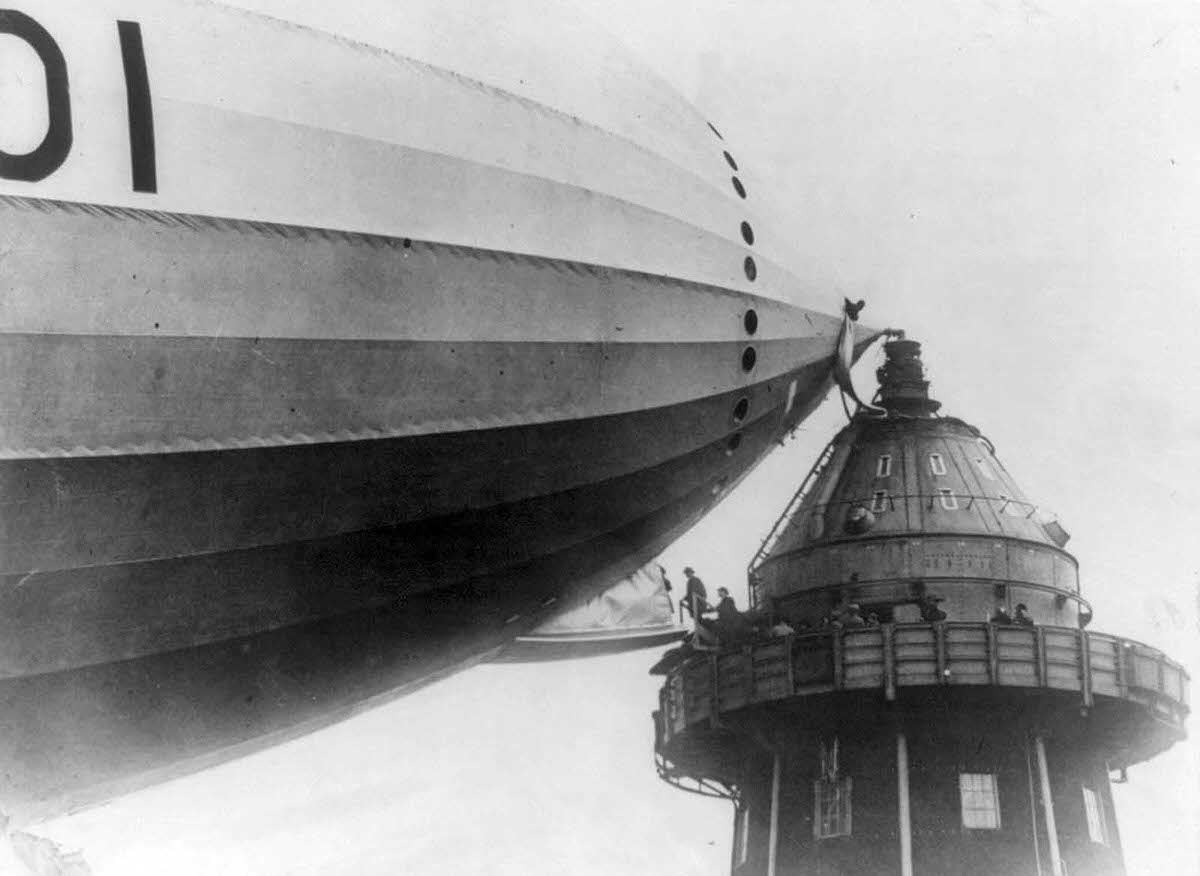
86 268
184 330
115 395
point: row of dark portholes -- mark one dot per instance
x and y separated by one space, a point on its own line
741 409
748 264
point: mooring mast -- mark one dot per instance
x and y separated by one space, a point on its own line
934 703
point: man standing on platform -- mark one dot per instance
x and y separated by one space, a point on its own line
695 596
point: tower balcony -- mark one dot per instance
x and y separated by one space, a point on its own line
1132 699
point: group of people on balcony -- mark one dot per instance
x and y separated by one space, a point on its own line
723 625
1020 617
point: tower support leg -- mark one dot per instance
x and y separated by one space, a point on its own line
905 814
773 838
1048 806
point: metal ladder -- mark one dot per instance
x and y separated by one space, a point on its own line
768 543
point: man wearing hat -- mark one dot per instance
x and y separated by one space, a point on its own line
695 596
852 616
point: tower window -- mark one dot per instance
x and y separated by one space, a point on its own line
741 833
1093 806
937 465
831 803
884 468
948 499
980 800
879 501
985 468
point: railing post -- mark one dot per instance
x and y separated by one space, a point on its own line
790 644
993 655
1040 644
836 636
714 702
1085 667
889 662
939 644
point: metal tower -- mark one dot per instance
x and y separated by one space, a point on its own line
934 703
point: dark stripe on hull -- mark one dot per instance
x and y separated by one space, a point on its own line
74 738
60 513
247 541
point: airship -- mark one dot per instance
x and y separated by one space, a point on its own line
344 346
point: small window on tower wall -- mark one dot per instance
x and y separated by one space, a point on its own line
879 501
831 803
937 465
884 468
742 835
980 800
1093 805
949 501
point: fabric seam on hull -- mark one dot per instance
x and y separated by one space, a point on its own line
288 231
467 82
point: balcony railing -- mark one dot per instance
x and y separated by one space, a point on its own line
894 656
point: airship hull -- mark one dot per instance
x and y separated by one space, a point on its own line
335 349
241 541
309 636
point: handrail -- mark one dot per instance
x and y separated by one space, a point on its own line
693 785
1030 508
789 511
1085 607
869 501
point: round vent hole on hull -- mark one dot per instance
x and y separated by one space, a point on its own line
741 409
750 321
750 268
738 187
749 357
747 233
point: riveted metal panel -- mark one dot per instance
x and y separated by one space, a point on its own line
812 661
1062 659
1016 650
733 680
769 664
698 694
967 654
1103 654
916 655
862 658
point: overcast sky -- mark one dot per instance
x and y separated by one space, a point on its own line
1015 184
